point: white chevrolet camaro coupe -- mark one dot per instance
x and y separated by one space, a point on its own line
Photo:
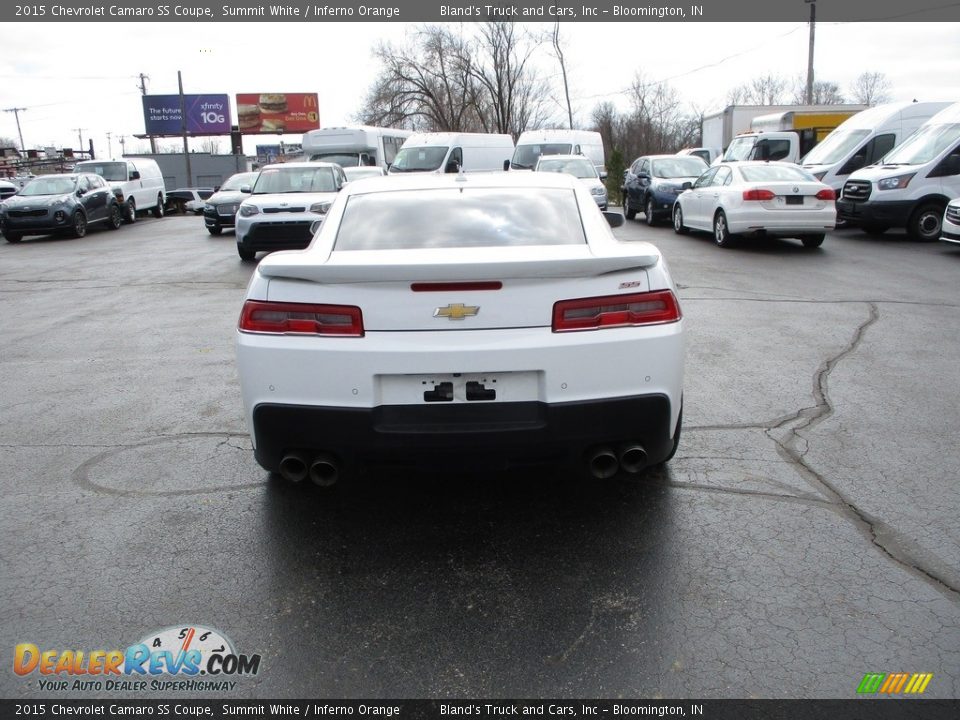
440 319
757 198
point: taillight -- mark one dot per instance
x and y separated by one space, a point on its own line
651 308
300 319
759 194
826 194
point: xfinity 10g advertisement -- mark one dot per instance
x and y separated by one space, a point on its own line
205 114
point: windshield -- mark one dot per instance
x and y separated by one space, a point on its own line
678 167
924 145
340 158
50 186
235 182
419 159
295 180
525 156
112 171
835 147
740 148
578 167
767 173
460 217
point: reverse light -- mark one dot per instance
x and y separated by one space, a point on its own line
280 318
650 308
827 194
249 210
758 194
895 183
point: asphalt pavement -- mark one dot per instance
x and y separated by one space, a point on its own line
805 534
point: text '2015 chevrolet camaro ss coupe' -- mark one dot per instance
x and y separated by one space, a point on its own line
451 319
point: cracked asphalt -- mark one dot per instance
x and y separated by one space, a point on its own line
805 534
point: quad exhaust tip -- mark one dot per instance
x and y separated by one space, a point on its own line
602 463
633 458
294 467
324 470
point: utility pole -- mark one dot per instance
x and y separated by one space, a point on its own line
813 27
80 137
143 91
109 147
183 127
16 114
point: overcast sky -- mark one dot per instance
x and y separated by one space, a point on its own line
72 76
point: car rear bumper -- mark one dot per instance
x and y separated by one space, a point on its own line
500 434
891 214
774 222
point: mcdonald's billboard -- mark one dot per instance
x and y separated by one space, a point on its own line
277 113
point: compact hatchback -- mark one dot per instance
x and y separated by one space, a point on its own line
60 204
440 319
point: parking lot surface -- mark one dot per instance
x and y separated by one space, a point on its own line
805 534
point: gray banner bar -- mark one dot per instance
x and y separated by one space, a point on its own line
464 11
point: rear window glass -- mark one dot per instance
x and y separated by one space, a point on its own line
767 173
460 218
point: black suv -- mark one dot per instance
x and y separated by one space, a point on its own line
60 204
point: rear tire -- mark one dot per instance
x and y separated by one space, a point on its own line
648 212
246 255
721 231
79 224
678 227
216 230
813 241
926 222
158 208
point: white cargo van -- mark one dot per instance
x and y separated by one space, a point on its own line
534 143
137 182
356 146
913 183
865 138
452 152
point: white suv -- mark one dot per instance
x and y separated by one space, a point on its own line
284 203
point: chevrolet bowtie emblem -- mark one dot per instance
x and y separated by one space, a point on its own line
456 311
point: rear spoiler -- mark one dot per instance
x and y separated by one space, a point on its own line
360 266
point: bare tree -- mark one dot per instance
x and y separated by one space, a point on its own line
824 92
870 88
766 89
210 145
441 80
563 69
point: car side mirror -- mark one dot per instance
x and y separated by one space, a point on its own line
135 175
603 175
614 219
245 189
506 164
686 186
80 192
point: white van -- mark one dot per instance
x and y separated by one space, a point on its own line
865 138
534 143
913 183
356 146
137 182
452 152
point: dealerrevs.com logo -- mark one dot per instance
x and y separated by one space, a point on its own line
188 658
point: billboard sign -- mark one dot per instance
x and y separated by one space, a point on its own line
206 114
277 113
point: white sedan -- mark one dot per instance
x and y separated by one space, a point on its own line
440 319
757 198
